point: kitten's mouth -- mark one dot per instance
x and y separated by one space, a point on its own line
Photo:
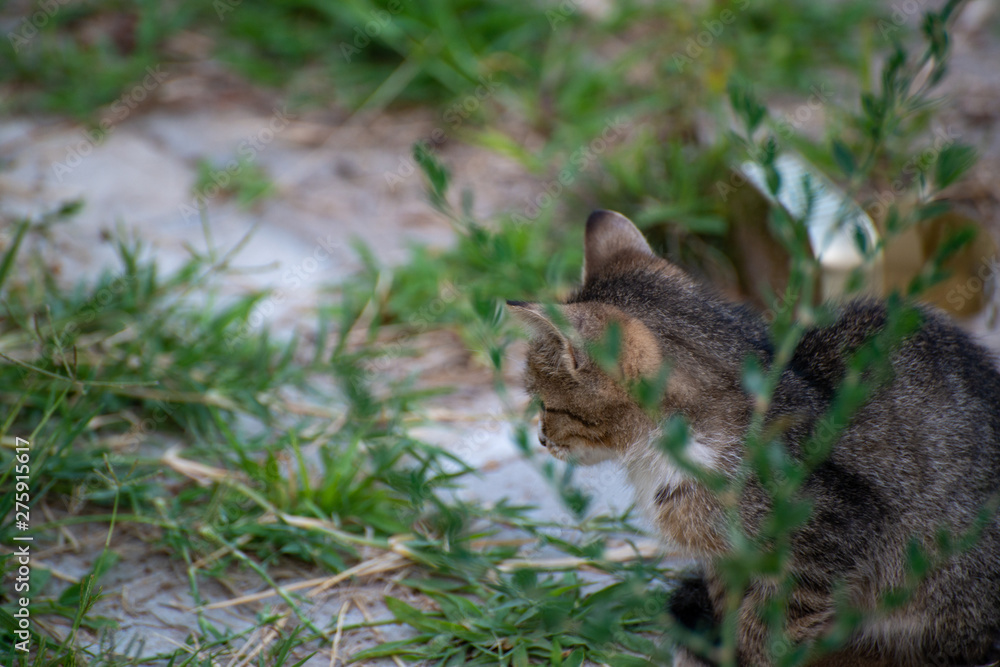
582 453
558 451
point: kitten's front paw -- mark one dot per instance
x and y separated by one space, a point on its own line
691 608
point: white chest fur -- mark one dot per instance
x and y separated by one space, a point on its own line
651 470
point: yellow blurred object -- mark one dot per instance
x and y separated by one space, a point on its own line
972 268
835 225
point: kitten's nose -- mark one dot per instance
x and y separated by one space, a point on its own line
542 439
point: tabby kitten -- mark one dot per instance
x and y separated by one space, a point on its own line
923 454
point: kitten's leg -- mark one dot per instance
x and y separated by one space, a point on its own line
810 617
753 634
691 607
691 516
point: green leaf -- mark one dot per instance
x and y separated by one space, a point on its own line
457 607
952 162
575 659
954 242
71 597
389 649
427 623
932 210
681 215
754 379
434 585
519 657
438 176
844 158
861 240
8 258
773 180
555 654
918 559
7 620
746 105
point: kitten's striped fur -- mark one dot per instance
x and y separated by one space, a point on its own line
922 454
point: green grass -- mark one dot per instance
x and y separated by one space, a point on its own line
108 374
376 53
243 180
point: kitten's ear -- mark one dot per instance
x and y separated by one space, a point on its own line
542 328
608 234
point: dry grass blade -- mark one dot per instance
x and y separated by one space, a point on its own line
199 472
340 631
642 550
243 656
378 565
210 398
219 553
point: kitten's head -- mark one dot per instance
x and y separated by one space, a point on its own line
587 412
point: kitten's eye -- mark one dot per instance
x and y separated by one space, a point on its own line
542 406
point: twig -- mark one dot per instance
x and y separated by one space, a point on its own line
269 636
621 554
199 472
384 563
220 552
340 630
202 473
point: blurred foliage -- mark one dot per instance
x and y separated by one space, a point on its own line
240 178
422 50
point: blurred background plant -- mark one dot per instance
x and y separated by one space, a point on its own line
649 108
